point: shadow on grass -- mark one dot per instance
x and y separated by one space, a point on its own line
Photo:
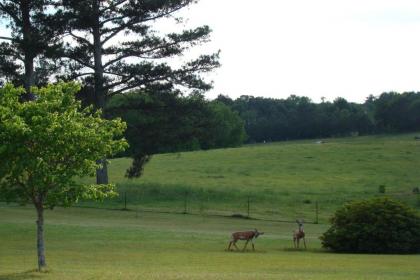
30 274
308 250
244 252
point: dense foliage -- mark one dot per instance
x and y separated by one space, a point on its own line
169 122
111 47
25 55
379 225
394 112
268 119
115 47
47 143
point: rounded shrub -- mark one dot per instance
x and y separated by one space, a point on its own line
379 225
381 189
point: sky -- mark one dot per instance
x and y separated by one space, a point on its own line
322 48
314 48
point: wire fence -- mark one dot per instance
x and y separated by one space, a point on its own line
246 207
259 206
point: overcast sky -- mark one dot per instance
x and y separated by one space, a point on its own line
322 48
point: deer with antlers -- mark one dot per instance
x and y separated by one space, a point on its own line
244 235
299 234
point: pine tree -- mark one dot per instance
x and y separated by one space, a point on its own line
114 49
35 28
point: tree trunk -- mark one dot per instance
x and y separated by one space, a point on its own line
40 238
101 174
28 49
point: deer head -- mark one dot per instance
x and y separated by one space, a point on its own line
300 224
257 233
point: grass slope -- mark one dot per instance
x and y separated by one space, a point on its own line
283 180
104 244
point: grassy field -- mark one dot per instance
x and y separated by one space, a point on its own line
109 244
283 180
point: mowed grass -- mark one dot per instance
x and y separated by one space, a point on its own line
110 244
283 180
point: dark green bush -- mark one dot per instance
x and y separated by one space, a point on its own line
381 189
379 225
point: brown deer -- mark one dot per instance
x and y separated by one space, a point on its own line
244 235
299 234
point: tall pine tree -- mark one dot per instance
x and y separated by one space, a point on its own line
34 29
114 49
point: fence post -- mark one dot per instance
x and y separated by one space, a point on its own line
248 206
137 204
316 212
125 200
186 203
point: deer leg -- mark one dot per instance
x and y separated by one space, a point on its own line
245 245
234 244
304 242
230 244
253 247
298 240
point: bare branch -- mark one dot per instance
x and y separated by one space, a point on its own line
6 38
81 75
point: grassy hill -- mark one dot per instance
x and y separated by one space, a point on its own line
283 180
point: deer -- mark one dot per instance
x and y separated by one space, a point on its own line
244 235
299 234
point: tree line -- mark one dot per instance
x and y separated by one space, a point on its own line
268 119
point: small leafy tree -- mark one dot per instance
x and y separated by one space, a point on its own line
379 225
46 144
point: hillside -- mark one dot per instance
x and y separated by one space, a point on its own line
283 180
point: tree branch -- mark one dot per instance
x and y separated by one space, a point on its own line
117 30
112 5
80 61
6 10
6 38
80 38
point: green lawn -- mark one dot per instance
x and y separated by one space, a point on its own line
105 244
283 180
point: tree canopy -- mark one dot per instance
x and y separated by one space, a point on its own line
296 117
169 122
35 28
115 47
46 144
